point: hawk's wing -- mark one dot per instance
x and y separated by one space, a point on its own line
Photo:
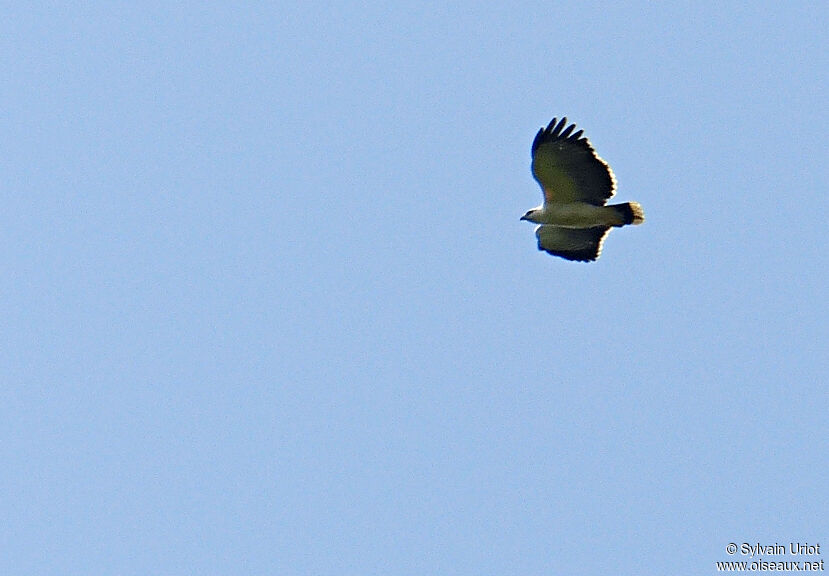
582 244
568 168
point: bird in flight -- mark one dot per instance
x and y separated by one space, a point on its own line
577 183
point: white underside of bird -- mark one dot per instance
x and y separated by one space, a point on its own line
584 215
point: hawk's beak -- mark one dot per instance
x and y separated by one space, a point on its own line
524 217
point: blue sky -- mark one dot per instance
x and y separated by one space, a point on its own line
268 308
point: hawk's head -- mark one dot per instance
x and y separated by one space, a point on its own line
532 216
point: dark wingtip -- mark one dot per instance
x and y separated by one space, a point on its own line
537 141
574 256
555 132
560 125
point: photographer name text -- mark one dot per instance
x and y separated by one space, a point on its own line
776 549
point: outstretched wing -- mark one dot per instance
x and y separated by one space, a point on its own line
568 168
582 244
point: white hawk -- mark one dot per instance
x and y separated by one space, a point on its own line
576 183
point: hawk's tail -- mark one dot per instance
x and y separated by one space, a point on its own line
631 212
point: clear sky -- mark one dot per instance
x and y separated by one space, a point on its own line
267 306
